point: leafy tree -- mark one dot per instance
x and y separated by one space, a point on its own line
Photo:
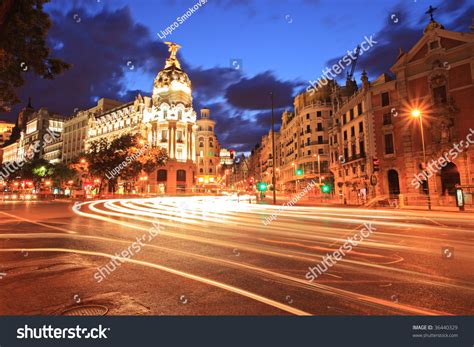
152 158
23 30
127 151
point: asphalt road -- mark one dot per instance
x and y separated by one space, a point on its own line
217 256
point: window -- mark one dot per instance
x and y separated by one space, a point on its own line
351 113
344 119
179 136
346 153
164 134
361 148
321 151
320 139
385 99
309 152
180 115
162 175
389 144
211 143
320 127
210 128
308 129
352 131
165 114
181 175
359 109
307 115
319 114
361 127
201 170
353 149
387 119
345 134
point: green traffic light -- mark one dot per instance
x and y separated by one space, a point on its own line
262 186
299 172
326 189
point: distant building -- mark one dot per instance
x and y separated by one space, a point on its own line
42 128
207 153
76 129
6 129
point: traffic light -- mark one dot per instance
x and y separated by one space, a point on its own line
262 186
326 188
299 172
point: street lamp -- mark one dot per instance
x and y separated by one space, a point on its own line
416 113
273 153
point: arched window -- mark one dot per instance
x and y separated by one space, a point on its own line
180 115
181 176
211 142
162 175
210 128
201 142
201 170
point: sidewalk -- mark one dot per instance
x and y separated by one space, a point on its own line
317 202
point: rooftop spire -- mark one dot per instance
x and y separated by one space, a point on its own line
172 60
430 11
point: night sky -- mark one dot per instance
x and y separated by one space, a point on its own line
116 51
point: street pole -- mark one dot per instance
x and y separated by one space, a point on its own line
273 153
319 169
424 161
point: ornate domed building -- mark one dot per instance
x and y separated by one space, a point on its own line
166 120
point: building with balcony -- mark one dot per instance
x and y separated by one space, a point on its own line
166 119
303 141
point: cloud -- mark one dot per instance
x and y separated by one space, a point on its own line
254 93
404 34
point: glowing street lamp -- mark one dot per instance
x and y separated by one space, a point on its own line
416 113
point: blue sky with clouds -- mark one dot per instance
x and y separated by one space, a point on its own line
280 44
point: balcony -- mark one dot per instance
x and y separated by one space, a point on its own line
355 157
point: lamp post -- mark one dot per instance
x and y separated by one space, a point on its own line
273 153
417 114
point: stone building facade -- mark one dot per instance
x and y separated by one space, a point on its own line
435 78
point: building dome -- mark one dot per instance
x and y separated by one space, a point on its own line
172 84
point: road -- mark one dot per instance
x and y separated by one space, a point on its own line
218 256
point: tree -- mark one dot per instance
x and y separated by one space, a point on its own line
153 158
23 30
124 157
